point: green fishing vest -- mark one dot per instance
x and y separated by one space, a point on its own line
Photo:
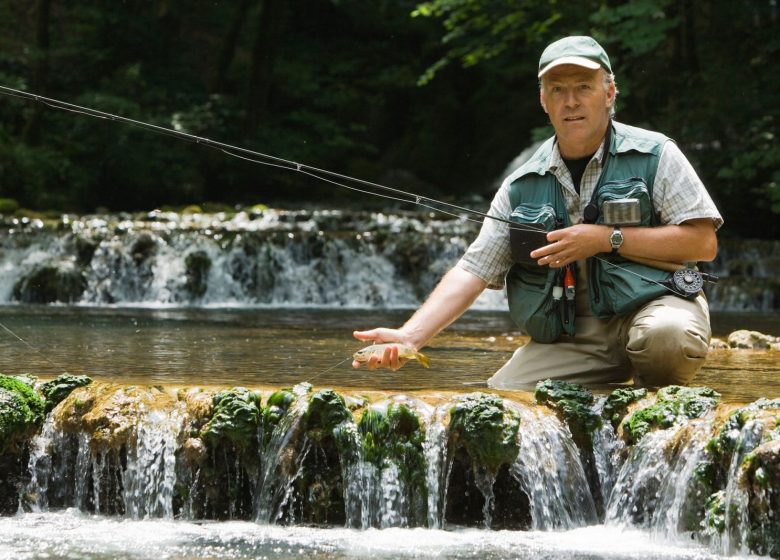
535 195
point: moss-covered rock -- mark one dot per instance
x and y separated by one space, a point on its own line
236 419
197 266
48 283
617 403
761 479
673 405
274 410
21 410
57 389
486 429
327 409
575 405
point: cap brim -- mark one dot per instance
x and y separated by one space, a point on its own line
576 60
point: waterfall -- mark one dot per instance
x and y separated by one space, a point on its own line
327 258
549 469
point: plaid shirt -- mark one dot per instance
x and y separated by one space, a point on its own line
678 196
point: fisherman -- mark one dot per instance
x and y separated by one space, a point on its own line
645 332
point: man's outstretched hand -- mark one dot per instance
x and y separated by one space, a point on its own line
389 359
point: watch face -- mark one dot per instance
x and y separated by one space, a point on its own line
616 238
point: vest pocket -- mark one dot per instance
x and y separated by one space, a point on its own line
531 304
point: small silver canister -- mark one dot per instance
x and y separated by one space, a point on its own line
621 212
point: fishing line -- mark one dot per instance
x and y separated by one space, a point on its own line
331 368
281 163
33 348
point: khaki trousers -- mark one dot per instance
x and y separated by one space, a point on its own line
665 342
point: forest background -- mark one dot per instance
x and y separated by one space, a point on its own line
435 97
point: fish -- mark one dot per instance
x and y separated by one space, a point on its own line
404 351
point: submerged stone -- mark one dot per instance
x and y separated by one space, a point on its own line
486 429
57 389
673 405
21 410
236 418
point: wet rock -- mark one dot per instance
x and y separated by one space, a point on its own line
718 344
393 437
751 340
109 413
274 410
618 401
48 283
56 390
197 266
143 248
236 419
574 403
674 404
761 478
21 411
486 429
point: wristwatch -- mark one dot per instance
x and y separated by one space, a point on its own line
616 239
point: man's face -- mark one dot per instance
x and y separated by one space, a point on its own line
578 103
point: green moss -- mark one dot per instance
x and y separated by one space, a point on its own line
274 410
574 403
394 434
236 418
21 409
673 404
725 443
488 431
327 410
56 390
618 401
715 513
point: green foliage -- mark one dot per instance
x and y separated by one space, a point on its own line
334 85
673 405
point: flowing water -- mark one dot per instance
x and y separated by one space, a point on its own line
271 302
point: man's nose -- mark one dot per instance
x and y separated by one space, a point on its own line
571 99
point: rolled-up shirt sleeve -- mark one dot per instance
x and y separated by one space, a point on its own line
678 193
489 257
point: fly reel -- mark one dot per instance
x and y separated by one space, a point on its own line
687 281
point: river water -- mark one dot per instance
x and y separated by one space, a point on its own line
273 347
282 347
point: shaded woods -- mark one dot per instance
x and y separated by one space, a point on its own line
436 97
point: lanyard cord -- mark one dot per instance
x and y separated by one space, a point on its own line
324 175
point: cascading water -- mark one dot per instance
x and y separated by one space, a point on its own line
278 258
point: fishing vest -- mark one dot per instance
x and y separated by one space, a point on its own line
616 286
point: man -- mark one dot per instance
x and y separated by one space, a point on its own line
650 334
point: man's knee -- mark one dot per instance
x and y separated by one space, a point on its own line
667 350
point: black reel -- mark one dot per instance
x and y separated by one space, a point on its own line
687 281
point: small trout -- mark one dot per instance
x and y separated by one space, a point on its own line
404 351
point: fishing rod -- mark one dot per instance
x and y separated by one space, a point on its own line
684 285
